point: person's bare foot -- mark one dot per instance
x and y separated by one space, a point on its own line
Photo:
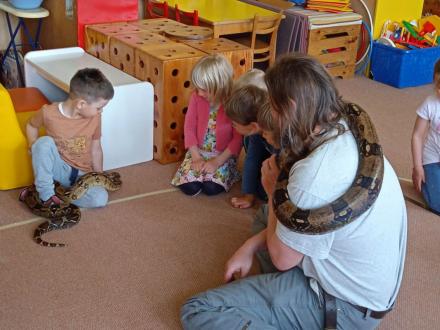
243 202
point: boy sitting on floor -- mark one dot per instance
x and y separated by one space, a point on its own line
72 146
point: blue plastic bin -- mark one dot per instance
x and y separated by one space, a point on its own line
26 4
403 68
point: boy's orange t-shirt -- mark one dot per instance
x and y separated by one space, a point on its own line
73 137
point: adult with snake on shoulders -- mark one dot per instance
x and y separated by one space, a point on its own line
331 242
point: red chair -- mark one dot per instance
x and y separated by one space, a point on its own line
150 6
194 16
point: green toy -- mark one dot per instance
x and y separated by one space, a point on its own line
411 30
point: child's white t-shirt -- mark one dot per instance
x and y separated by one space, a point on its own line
430 110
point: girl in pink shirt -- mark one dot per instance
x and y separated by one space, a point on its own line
213 145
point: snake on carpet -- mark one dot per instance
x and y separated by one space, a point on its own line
67 214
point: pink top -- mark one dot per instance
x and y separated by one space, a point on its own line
196 125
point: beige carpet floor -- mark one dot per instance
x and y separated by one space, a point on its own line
131 264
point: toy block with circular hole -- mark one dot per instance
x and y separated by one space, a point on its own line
188 32
156 25
15 161
168 68
239 55
98 37
122 48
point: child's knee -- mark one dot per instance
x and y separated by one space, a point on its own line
43 143
211 188
94 197
101 198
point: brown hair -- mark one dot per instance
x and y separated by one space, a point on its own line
244 104
91 85
265 119
266 123
304 96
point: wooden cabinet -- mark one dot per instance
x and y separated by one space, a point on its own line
432 7
59 29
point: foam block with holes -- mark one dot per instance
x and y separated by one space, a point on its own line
122 48
239 55
168 68
97 38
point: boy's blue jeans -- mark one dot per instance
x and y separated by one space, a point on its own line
431 187
49 166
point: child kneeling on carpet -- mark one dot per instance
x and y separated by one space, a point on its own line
72 145
243 107
213 145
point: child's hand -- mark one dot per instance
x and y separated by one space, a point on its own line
197 164
30 148
418 176
243 202
210 166
269 175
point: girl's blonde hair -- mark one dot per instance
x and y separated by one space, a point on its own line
253 77
305 97
213 73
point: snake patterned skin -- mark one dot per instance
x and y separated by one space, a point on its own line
68 214
355 201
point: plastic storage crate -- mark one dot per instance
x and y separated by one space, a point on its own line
403 68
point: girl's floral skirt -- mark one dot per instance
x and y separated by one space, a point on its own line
226 175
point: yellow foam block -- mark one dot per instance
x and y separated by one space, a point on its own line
15 162
23 118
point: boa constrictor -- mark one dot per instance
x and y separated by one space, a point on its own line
68 214
355 201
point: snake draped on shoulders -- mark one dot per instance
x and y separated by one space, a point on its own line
355 201
67 214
